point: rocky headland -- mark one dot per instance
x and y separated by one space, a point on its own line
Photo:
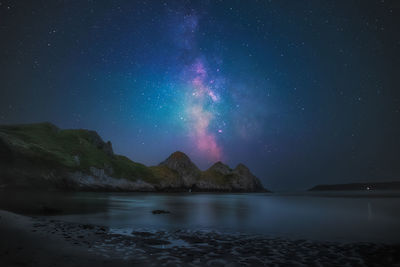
368 186
42 156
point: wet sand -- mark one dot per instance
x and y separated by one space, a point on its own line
41 241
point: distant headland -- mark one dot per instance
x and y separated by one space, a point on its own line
42 156
358 186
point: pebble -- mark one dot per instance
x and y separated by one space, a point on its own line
217 249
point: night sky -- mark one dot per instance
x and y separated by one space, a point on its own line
302 92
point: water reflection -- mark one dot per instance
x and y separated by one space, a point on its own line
328 217
45 203
369 211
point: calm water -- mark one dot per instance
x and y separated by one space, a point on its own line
329 216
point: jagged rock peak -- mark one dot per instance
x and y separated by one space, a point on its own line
181 163
242 168
178 155
220 167
179 160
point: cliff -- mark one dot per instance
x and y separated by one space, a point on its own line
42 156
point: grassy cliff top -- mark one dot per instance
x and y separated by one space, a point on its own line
76 150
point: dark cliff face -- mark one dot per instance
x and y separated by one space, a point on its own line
219 177
239 179
220 168
245 177
42 156
186 169
95 139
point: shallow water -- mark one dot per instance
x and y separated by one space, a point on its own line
331 216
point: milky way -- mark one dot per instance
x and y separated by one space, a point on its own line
199 115
201 96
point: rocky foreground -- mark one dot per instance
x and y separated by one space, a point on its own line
42 156
41 241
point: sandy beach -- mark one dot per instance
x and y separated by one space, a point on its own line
40 241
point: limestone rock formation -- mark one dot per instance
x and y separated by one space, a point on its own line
223 178
221 168
42 156
186 169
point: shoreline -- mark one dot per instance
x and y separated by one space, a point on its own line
41 241
5 188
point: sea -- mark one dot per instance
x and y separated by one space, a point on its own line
370 216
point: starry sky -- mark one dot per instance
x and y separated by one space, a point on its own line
302 92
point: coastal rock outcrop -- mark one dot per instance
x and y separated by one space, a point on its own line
42 156
219 177
99 180
367 186
220 168
244 179
185 168
223 178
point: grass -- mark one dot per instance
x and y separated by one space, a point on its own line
44 143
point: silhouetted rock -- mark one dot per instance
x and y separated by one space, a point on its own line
186 169
244 179
221 168
220 177
42 156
